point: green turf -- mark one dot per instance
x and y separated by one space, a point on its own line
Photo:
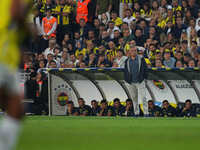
87 133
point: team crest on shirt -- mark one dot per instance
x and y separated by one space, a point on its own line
159 84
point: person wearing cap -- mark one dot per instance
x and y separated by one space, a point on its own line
168 60
135 73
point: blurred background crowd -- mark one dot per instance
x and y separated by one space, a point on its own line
99 33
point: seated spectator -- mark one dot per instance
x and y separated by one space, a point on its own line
118 108
168 60
120 59
167 110
95 108
188 110
50 49
128 17
129 110
117 20
71 110
52 64
179 64
154 111
191 63
84 110
105 110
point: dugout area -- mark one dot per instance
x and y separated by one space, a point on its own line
176 85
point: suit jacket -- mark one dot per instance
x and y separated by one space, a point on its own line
143 70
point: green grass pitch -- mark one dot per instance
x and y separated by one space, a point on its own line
94 133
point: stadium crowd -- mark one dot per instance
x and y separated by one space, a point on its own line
165 32
100 33
117 109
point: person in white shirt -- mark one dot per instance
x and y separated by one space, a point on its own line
128 17
50 49
112 28
120 60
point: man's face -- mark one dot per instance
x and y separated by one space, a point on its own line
116 34
138 33
114 15
133 51
94 104
179 21
111 25
117 104
128 13
129 104
81 103
150 105
111 45
188 105
103 105
165 105
49 57
167 56
77 35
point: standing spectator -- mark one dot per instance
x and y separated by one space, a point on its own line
179 27
82 10
49 25
63 11
135 72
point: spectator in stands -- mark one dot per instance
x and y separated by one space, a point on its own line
84 110
118 108
95 108
188 110
129 110
154 111
120 59
71 110
168 60
63 11
49 25
167 110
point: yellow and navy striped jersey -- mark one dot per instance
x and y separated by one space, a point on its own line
118 21
110 54
126 1
65 9
9 49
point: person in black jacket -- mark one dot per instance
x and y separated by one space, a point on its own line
135 72
188 110
84 110
167 110
154 111
129 110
